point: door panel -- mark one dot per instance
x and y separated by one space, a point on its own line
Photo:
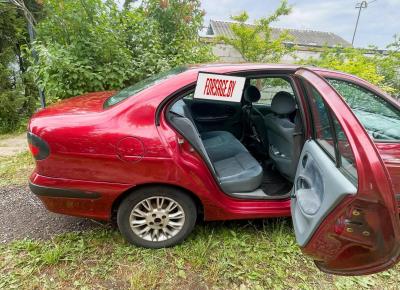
346 232
319 186
217 116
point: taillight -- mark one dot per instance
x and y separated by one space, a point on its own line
39 148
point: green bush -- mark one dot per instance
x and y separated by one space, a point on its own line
91 45
16 90
381 69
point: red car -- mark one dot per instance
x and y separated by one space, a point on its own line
223 142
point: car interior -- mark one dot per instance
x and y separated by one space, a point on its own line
252 147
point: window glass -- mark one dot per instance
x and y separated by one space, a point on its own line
329 134
269 87
140 86
322 128
379 118
347 160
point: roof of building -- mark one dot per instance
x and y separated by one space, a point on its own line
301 37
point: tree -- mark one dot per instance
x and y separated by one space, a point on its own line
17 93
389 66
90 45
379 68
178 23
255 42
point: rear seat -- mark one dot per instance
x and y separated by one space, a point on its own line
236 169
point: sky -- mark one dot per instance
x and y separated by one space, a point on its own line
379 22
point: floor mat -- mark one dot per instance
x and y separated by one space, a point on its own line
274 184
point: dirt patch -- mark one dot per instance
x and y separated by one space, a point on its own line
22 215
13 145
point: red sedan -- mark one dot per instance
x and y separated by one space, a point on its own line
221 142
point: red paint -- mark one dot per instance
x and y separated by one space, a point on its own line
118 149
342 252
220 88
34 150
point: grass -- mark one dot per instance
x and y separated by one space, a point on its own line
15 169
218 255
231 255
9 135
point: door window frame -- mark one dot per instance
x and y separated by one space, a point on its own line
337 159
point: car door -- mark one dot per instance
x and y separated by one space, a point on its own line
380 116
343 205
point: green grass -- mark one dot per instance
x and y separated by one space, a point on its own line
15 169
232 255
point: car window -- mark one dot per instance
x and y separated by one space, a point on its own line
329 134
347 161
268 87
140 86
379 118
323 133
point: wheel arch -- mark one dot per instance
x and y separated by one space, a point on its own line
117 202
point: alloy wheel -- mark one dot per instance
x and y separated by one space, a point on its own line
157 218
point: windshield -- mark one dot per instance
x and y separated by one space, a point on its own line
140 86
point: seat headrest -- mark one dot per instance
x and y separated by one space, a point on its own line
252 94
283 103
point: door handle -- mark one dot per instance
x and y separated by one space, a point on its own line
303 182
304 161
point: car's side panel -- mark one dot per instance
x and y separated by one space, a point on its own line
217 205
390 153
86 153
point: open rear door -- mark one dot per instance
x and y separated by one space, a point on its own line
343 205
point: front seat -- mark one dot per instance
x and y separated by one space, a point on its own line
280 130
254 118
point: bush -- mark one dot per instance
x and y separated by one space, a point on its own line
91 45
16 91
381 69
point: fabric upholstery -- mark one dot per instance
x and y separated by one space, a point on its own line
280 132
283 103
252 94
235 168
221 145
239 173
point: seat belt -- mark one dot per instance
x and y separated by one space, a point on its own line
298 139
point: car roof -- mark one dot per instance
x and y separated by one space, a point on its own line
217 67
240 66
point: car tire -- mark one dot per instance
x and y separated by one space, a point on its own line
156 217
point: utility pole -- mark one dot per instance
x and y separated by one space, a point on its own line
359 6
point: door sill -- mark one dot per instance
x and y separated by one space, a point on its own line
259 194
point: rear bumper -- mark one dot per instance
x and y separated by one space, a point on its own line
76 197
62 193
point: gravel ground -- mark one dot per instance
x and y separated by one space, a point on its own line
22 215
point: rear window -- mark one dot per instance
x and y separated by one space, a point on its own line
142 85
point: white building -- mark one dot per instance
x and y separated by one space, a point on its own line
308 43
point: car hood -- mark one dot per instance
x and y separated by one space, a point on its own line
84 104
